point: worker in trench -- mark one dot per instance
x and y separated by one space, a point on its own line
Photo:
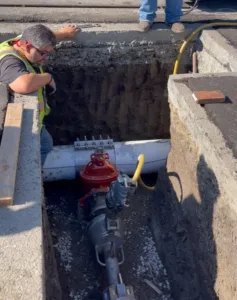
173 13
21 68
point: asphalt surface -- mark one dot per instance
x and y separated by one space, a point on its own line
91 11
223 115
230 34
218 5
82 3
223 6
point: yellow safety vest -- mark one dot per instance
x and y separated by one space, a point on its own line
6 49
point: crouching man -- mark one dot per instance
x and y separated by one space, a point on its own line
21 61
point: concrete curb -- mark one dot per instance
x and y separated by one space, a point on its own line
99 35
215 53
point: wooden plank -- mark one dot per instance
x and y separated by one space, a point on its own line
9 151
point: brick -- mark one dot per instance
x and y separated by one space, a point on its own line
206 97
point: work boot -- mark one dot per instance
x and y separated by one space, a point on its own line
177 27
144 26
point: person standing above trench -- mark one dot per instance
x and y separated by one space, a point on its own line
21 61
173 13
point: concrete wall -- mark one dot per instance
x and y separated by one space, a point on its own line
27 266
21 257
195 212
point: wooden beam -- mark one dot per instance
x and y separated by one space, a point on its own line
9 151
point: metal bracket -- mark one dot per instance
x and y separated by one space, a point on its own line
122 257
98 257
102 263
94 144
112 225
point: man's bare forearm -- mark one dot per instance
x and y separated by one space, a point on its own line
29 83
36 81
59 35
68 32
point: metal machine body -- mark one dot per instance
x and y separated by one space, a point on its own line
101 206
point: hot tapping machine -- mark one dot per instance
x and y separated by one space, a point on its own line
107 192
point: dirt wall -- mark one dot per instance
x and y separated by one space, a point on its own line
196 232
52 287
120 92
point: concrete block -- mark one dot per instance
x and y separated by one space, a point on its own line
21 254
106 34
215 53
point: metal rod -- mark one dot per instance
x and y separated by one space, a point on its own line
195 62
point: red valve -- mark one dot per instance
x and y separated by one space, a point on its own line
98 173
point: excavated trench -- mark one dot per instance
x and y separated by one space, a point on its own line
120 92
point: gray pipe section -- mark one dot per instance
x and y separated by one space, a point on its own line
112 269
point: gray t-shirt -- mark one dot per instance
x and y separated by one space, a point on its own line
11 68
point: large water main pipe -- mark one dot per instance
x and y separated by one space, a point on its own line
65 162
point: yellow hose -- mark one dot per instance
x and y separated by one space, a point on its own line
192 35
137 174
142 184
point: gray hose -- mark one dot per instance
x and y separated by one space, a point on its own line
195 5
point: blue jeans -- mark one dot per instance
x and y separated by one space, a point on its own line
46 144
173 10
